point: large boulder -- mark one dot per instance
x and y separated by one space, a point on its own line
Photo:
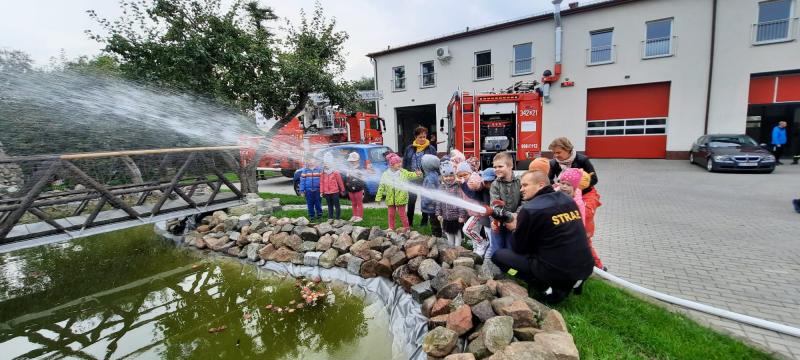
343 243
252 250
460 320
527 350
266 252
306 233
553 321
439 342
498 332
294 242
421 291
451 290
283 254
324 243
483 310
384 268
369 269
325 229
440 307
558 343
510 288
406 278
476 294
428 269
328 258
416 248
518 310
360 233
478 348
361 249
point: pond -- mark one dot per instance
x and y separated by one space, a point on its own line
132 294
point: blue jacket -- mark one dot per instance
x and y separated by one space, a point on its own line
430 181
309 179
412 158
778 136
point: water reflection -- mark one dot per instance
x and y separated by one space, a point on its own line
135 296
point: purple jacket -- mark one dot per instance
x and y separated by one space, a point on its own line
448 211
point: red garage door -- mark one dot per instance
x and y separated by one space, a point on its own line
627 121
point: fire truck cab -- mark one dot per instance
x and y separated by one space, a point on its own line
482 125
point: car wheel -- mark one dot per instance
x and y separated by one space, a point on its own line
710 165
296 188
691 158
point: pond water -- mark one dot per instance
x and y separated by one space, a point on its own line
132 294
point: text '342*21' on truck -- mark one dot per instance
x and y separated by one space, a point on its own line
307 134
482 125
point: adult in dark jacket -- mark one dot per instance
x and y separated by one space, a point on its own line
549 248
412 161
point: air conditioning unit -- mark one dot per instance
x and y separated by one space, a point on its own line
443 53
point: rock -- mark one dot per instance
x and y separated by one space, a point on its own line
361 249
257 227
278 239
325 229
343 243
234 250
342 260
483 310
448 255
416 248
427 305
461 356
476 294
384 268
266 236
404 277
441 307
311 258
439 342
191 237
478 348
215 243
451 290
338 223
488 270
439 320
230 224
428 269
243 209
492 284
354 265
251 238
421 291
464 261
498 332
252 251
441 279
307 246
283 254
398 259
376 232
301 221
346 229
553 321
527 350
457 302
414 263
307 233
219 216
294 242
559 344
369 269
324 243
224 248
203 229
460 320
298 258
510 288
433 253
518 310
476 259
468 275
328 258
526 333
287 228
360 233
266 252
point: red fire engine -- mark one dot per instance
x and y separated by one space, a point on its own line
482 125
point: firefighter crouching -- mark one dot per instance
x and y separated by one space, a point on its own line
549 250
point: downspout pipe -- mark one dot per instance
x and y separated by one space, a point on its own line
711 63
374 62
550 77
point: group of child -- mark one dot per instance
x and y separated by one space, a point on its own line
451 176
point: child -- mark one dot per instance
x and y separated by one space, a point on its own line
451 216
586 180
396 198
463 172
355 185
478 222
540 164
456 157
430 168
308 179
569 183
331 186
506 190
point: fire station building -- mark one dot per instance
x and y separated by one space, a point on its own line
639 78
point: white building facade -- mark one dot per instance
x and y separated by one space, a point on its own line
644 78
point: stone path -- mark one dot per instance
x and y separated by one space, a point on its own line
727 240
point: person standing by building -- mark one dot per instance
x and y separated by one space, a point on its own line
778 141
412 161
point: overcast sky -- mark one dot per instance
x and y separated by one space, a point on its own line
43 27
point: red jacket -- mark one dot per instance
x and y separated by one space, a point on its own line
331 183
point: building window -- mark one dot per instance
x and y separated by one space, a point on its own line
483 68
601 49
427 77
639 127
399 78
523 59
658 42
774 21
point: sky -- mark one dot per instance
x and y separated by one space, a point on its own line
42 28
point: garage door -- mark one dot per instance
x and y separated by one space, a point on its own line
627 121
774 89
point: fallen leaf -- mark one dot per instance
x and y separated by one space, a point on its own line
217 329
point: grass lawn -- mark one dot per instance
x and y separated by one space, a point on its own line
609 323
300 200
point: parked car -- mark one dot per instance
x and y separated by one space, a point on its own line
732 152
371 155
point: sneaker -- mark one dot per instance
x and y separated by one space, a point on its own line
357 219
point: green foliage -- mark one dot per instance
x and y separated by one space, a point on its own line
15 61
365 83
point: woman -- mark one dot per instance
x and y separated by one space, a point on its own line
565 157
412 161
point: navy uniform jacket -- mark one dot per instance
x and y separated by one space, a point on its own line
550 229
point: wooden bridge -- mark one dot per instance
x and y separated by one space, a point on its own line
63 197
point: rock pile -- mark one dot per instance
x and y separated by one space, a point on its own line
473 311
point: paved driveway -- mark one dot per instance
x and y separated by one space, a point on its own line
726 240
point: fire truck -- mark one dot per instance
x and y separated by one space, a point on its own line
482 125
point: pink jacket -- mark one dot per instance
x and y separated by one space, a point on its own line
331 183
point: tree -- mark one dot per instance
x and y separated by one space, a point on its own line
15 61
230 55
365 83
